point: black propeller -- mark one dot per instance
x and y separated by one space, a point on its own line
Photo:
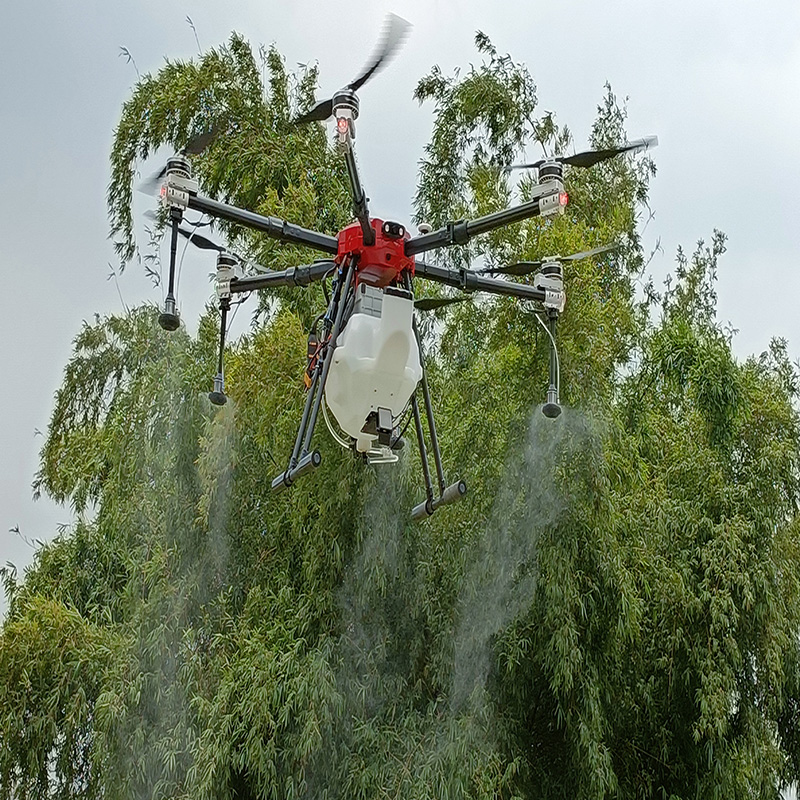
589 158
195 238
196 145
395 30
432 303
201 241
527 267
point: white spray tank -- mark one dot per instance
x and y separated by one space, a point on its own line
376 365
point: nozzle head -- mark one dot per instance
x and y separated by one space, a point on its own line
551 410
168 319
169 322
217 396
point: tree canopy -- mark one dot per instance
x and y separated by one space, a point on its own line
613 610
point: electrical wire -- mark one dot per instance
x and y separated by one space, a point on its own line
555 350
183 254
235 310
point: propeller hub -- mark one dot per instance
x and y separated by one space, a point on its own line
226 260
178 166
552 269
345 100
551 171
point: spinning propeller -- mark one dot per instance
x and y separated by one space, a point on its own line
196 145
518 269
432 303
395 30
527 267
589 158
199 241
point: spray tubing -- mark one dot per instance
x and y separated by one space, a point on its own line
552 407
169 319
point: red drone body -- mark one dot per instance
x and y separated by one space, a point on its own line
381 263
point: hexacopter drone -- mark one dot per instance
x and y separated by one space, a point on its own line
364 359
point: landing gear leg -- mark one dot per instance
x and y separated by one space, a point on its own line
447 494
303 459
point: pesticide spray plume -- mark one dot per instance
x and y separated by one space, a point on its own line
452 733
502 572
190 456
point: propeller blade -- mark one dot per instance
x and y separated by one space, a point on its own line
395 31
593 252
199 241
432 303
591 157
527 267
518 269
319 113
198 143
195 238
152 184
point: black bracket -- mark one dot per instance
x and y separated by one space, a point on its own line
458 231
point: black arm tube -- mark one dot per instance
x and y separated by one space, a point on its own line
551 326
273 226
175 215
423 451
224 306
360 208
552 405
295 276
469 281
462 231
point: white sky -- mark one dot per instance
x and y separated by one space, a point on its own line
718 82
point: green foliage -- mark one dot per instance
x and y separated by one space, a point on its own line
612 611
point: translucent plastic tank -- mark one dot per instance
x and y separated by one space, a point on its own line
376 363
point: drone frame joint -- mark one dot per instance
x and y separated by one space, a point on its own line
176 190
458 231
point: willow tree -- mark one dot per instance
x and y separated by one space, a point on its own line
613 610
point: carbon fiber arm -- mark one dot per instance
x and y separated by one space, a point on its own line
469 281
273 226
295 276
545 201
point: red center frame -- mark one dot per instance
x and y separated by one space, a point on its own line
381 263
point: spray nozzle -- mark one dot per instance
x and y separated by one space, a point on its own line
217 396
551 408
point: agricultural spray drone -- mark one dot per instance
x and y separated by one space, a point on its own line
364 357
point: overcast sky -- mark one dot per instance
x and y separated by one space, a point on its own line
718 82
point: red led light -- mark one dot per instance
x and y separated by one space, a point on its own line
563 198
341 124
